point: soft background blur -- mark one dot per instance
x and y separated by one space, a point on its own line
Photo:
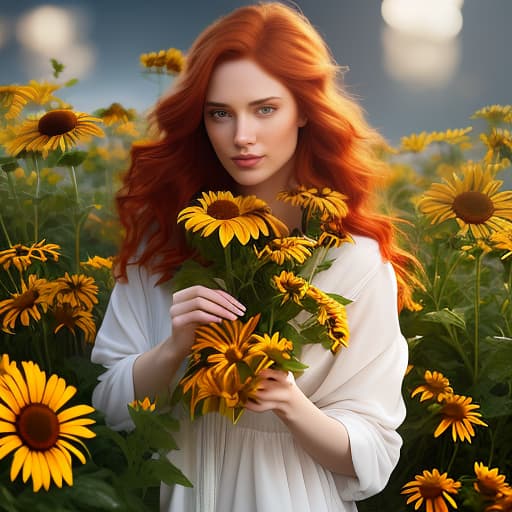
444 60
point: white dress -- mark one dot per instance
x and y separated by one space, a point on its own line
256 465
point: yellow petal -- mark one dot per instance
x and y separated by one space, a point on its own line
18 460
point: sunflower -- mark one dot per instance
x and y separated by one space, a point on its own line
333 234
240 217
98 262
503 240
474 202
433 489
74 318
44 93
30 303
272 348
14 98
172 60
78 290
325 201
459 413
489 482
144 405
56 129
416 143
291 286
291 248
6 365
33 423
116 113
503 504
436 386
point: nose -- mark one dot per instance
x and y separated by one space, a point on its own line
245 132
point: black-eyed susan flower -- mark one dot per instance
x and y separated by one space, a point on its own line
240 217
143 405
58 129
98 262
291 286
473 201
459 413
291 248
14 97
29 303
432 489
78 290
495 113
332 233
325 202
22 256
436 386
268 348
34 425
73 318
489 483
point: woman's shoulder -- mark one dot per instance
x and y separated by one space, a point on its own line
352 265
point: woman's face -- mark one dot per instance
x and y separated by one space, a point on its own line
252 121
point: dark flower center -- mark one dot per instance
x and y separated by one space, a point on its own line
233 355
430 491
473 207
64 315
455 411
57 122
26 300
223 210
38 427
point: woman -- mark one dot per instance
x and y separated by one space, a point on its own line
257 111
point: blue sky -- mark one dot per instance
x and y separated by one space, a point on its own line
111 35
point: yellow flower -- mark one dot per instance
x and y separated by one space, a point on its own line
6 365
292 248
436 386
14 98
503 504
495 113
33 299
144 405
33 423
416 142
240 217
78 290
498 142
116 113
74 318
489 482
272 348
326 202
172 60
433 489
333 316
291 286
474 202
98 262
458 412
457 136
55 129
503 240
21 256
44 93
333 234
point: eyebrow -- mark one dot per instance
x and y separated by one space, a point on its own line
255 102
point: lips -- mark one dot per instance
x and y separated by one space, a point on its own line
247 161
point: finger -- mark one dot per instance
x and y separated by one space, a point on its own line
219 297
202 304
270 374
194 318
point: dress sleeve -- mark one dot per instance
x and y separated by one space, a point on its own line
136 319
361 385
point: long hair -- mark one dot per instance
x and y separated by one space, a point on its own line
334 147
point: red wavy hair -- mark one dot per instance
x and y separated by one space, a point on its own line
334 147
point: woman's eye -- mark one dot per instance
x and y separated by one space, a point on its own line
267 109
218 114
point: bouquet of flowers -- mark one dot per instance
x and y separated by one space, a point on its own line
244 249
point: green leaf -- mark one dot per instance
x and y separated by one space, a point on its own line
339 298
193 273
164 471
72 158
446 317
71 82
57 66
497 363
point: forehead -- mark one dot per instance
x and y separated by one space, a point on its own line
243 80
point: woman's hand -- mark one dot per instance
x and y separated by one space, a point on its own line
198 305
277 391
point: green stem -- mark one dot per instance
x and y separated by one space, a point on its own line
229 269
48 359
319 257
478 272
4 229
35 161
21 213
76 217
444 282
452 459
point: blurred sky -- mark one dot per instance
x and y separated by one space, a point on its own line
405 84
